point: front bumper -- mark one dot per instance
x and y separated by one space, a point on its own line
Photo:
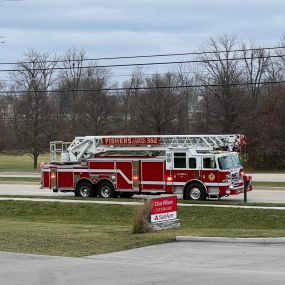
235 190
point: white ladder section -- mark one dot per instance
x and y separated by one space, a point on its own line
88 146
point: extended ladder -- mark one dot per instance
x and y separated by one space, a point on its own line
89 146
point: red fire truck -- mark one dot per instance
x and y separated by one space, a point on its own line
197 166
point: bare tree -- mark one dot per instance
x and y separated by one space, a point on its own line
255 72
188 99
268 149
96 106
33 121
157 107
3 120
280 52
130 93
70 79
223 100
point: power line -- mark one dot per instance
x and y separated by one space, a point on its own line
144 88
119 75
147 63
145 56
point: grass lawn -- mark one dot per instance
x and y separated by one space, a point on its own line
85 229
20 162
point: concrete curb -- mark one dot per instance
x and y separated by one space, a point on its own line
270 240
70 201
133 203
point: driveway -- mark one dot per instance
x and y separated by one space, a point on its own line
174 263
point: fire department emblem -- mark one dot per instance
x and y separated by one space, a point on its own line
211 176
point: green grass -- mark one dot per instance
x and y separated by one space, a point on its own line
20 162
85 229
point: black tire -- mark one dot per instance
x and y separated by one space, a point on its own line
106 190
126 194
84 189
195 191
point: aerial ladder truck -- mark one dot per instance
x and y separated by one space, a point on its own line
196 166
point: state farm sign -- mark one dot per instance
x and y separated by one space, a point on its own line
163 209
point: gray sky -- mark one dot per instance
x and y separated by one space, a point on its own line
132 27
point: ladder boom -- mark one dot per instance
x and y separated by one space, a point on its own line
88 146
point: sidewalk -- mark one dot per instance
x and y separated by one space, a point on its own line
267 240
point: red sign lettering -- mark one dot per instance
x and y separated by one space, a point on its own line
163 205
131 141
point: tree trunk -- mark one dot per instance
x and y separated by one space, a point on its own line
35 158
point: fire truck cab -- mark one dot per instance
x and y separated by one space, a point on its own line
198 167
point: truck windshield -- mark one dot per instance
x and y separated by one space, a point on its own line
229 162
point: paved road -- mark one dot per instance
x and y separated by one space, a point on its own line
270 177
28 189
175 263
272 195
24 174
261 195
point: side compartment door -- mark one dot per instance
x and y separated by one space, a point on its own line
124 173
152 175
45 177
65 178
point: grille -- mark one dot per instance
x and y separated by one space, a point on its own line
235 179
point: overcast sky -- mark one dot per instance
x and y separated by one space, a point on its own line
132 27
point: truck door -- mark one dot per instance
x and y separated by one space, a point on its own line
210 174
179 171
185 167
194 167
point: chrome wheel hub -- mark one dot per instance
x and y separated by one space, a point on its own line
106 192
84 191
195 193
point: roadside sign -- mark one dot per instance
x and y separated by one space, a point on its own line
163 213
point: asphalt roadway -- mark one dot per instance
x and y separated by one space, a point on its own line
260 194
173 263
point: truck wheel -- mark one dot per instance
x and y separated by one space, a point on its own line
84 189
126 194
106 190
195 191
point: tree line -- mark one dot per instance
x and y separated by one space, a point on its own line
227 87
